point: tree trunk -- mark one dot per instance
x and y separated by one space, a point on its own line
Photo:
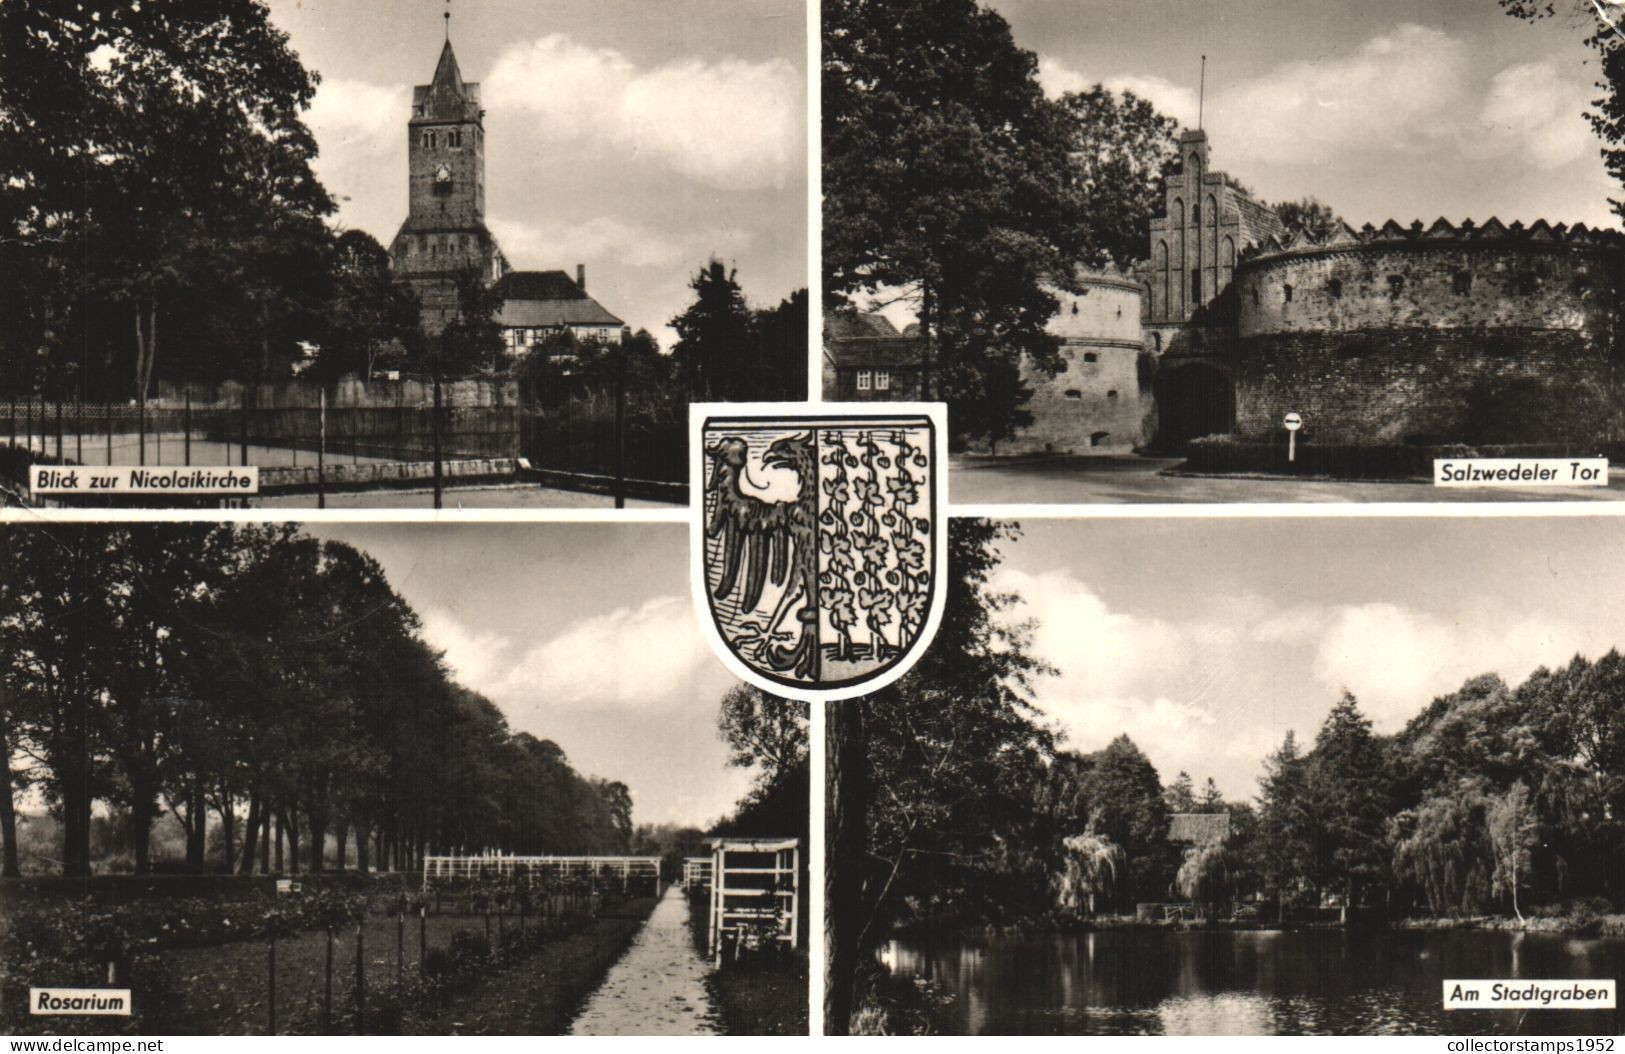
363 835
251 834
9 865
318 839
341 839
228 823
846 754
143 811
280 838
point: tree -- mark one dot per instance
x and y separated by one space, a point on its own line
1345 781
1204 878
1514 833
1284 822
1179 795
1212 800
763 731
1309 216
372 318
1608 119
781 358
933 778
1127 796
715 342
1122 150
1094 865
949 181
471 343
143 149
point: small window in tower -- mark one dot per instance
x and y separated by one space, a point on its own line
1255 296
454 138
1286 294
1074 393
1462 283
1196 213
1156 342
1074 307
1196 285
1334 288
1099 438
1090 356
1396 285
1112 394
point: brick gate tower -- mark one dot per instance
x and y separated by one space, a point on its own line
444 237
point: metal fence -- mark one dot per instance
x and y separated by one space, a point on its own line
644 437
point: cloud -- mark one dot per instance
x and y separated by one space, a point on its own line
629 657
1395 659
1534 111
1398 91
1215 689
1170 99
627 242
731 124
1057 78
476 659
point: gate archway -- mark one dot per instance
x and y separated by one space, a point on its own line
1193 400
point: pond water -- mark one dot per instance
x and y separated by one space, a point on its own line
1305 982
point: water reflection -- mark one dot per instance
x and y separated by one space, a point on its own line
1122 982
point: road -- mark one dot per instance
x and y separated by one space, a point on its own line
1131 480
658 986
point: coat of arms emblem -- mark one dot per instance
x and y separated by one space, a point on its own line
817 541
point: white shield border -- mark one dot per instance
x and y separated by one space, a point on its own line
812 413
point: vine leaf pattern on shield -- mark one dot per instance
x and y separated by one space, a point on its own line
819 555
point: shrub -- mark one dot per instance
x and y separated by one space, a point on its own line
469 947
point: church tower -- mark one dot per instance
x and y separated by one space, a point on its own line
444 236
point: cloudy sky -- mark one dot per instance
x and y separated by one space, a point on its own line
1409 109
584 634
1206 639
638 138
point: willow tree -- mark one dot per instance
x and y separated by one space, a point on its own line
1205 877
1092 866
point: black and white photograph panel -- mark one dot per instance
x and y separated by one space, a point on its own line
1235 251
1241 776
447 253
411 779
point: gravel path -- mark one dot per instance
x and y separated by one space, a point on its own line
658 986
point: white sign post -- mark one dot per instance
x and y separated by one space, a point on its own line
1292 423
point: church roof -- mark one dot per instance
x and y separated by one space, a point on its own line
447 97
1198 828
547 299
446 74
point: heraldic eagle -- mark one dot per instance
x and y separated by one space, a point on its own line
768 541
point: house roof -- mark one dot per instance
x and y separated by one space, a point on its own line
545 299
864 353
1198 828
845 325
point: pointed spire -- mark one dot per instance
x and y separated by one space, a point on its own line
446 74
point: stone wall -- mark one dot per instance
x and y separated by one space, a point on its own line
1447 285
1094 405
1449 334
1426 384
